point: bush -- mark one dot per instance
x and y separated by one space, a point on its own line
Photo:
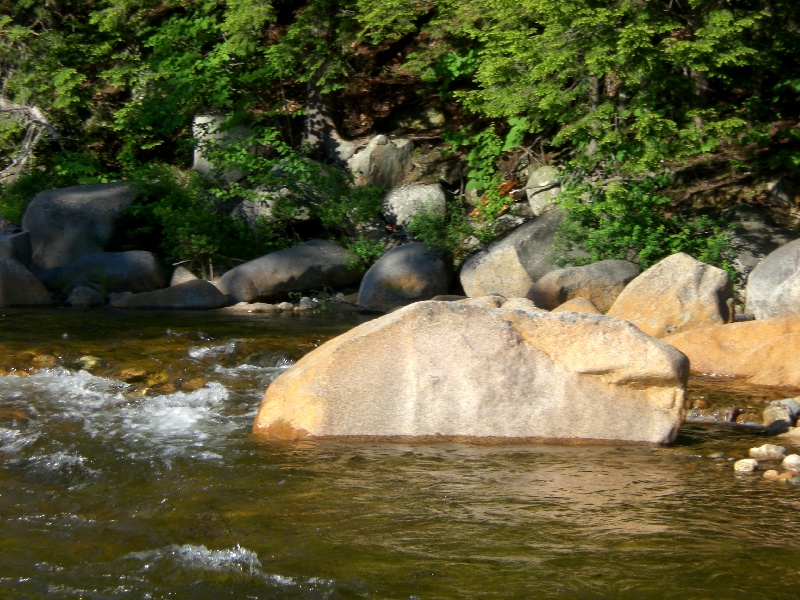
15 196
176 217
628 219
445 233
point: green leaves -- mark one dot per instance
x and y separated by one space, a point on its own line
631 220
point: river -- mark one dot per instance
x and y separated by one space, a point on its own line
139 478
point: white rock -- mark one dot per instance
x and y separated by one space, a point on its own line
768 452
791 462
746 465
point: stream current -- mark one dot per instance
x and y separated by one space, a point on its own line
137 477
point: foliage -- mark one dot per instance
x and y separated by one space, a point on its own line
616 87
445 232
297 187
632 220
15 196
175 217
367 251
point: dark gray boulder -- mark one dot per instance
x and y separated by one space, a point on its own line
134 271
16 246
313 265
754 236
197 294
20 287
68 223
84 296
403 275
600 282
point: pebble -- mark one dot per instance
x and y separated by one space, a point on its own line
773 475
745 465
792 462
768 452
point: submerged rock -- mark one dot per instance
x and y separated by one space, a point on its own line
458 370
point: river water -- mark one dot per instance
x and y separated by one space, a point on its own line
139 478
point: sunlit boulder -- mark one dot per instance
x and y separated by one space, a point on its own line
458 369
600 282
773 287
674 295
758 352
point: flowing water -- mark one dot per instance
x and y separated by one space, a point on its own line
137 477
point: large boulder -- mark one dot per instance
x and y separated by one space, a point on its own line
462 370
308 266
758 352
600 282
510 266
215 131
16 246
196 294
383 163
754 236
403 275
110 272
402 203
773 287
674 295
542 189
67 223
20 287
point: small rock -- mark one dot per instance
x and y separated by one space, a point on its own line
132 375
791 462
306 303
194 384
45 361
772 475
286 306
85 297
88 362
745 465
768 452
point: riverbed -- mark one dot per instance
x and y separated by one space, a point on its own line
128 470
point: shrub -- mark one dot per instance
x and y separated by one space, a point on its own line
630 219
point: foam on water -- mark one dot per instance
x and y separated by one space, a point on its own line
170 425
213 351
194 557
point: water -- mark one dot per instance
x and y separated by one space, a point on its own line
153 487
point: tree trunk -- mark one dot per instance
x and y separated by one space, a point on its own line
38 126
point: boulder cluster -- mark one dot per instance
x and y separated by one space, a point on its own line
510 346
